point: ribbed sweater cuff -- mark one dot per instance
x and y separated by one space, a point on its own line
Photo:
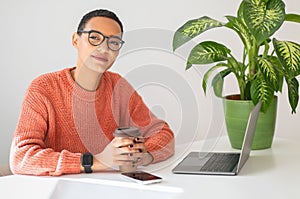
67 163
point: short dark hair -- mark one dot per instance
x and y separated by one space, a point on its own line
98 13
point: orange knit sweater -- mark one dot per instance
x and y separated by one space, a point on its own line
59 121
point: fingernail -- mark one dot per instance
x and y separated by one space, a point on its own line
140 150
130 146
138 140
138 159
130 154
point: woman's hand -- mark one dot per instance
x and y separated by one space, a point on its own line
142 157
122 152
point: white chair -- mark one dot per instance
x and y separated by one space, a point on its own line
5 170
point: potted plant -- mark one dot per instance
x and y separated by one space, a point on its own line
260 73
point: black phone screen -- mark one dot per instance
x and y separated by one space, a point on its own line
142 176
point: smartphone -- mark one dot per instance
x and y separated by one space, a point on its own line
142 177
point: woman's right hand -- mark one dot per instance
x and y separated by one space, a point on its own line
119 151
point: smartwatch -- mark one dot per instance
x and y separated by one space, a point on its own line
87 162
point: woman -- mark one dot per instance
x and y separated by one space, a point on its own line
68 117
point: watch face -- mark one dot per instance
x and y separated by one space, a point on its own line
87 162
87 159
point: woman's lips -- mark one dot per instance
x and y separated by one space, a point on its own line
100 58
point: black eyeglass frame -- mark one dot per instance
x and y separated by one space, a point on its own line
105 37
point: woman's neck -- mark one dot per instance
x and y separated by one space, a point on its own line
86 78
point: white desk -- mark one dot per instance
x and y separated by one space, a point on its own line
271 173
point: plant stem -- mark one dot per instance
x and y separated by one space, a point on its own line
252 54
266 49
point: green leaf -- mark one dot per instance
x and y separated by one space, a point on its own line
238 26
289 56
269 73
209 72
279 70
218 81
293 89
263 18
257 2
193 28
292 18
236 66
207 52
260 90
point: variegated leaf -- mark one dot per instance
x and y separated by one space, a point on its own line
207 52
289 56
293 90
260 90
269 72
279 70
236 25
263 18
193 28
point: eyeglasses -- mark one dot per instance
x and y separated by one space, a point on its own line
96 38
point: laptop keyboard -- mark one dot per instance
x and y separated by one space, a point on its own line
221 162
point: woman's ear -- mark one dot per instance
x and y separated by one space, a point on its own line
75 38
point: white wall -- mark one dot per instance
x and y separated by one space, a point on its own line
35 38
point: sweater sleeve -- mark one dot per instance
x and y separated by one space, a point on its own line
29 154
159 137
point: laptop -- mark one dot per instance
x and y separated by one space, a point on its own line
221 163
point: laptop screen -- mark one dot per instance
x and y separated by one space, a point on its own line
249 135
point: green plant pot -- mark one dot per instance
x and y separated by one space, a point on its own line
236 118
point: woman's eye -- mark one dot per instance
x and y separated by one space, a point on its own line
116 43
94 38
